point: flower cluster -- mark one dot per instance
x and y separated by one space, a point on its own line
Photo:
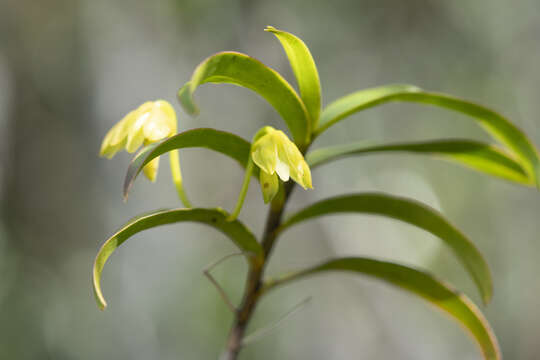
271 150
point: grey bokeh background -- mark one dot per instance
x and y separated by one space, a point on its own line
69 69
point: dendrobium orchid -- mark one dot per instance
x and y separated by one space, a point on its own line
274 159
277 156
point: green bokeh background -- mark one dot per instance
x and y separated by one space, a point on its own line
69 69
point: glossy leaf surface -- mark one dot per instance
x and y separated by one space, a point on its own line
473 154
242 70
220 141
411 212
304 69
436 292
216 218
495 124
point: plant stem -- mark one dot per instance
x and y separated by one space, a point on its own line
174 159
243 191
254 281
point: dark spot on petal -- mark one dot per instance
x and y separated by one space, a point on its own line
266 185
213 220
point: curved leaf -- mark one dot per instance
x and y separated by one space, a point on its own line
304 69
242 70
220 141
411 212
473 154
444 297
216 218
360 100
495 124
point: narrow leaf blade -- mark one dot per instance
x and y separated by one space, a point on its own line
495 124
304 69
436 292
411 212
240 69
220 141
216 218
473 154
360 100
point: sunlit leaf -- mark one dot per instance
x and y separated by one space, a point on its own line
473 154
242 70
220 141
411 212
444 297
495 124
304 69
216 218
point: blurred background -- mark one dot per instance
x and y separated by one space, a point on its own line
70 69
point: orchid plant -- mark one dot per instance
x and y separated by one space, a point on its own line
273 159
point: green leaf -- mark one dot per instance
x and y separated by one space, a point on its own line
220 141
411 212
473 154
216 218
304 69
443 296
242 70
495 124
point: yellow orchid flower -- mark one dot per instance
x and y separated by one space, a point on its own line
277 156
151 122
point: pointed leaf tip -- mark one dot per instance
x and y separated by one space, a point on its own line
305 71
476 155
185 97
420 283
499 127
235 230
235 68
411 212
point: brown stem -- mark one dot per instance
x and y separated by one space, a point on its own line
253 286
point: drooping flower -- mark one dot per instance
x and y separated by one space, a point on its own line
277 156
149 123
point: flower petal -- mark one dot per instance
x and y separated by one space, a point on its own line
135 136
169 113
283 170
305 180
115 139
107 149
289 154
157 126
122 128
269 185
264 154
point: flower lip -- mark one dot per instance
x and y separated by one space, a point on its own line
283 171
